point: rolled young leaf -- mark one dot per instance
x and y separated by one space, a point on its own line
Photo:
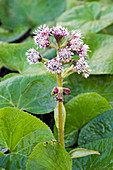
56 115
81 152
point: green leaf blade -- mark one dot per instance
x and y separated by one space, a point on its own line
81 109
20 133
98 128
32 93
49 156
97 162
87 18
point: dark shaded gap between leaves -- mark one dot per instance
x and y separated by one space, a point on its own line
4 71
76 143
21 39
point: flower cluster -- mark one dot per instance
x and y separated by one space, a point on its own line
82 66
41 37
33 56
54 66
65 50
83 51
65 54
59 32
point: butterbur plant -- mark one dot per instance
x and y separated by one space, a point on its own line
71 57
67 45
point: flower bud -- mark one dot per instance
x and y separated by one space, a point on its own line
59 98
54 91
66 91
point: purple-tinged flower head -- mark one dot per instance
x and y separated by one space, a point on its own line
75 41
59 32
54 66
33 56
75 44
41 37
75 34
65 54
81 66
83 51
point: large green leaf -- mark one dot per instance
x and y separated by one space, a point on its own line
31 93
20 132
100 127
96 162
30 12
81 109
101 84
8 36
49 156
101 57
13 55
87 18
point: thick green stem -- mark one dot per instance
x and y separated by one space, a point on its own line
60 114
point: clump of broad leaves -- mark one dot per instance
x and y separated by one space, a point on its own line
28 143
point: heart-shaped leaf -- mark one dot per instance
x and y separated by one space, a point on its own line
101 56
31 93
100 127
31 13
81 152
91 162
101 84
8 36
20 132
13 56
87 18
81 109
49 156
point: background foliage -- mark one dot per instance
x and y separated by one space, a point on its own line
89 121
